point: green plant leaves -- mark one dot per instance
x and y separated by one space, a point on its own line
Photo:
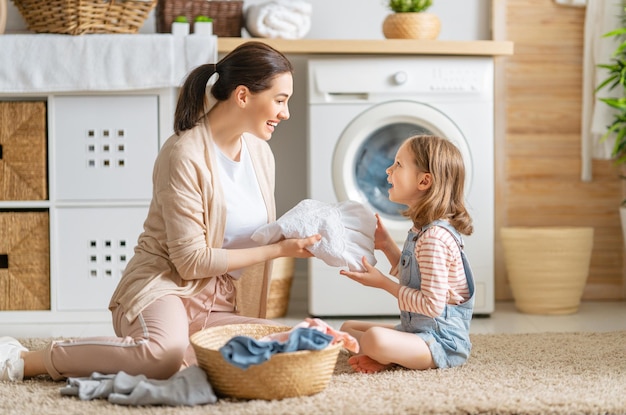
409 6
616 78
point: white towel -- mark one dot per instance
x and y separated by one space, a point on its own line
602 16
284 19
347 230
100 62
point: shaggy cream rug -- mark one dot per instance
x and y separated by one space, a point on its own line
543 373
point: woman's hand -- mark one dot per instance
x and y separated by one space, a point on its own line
296 247
372 277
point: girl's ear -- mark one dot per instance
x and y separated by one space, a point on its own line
425 181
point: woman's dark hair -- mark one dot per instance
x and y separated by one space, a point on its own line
252 64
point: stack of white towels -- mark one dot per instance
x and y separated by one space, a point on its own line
284 19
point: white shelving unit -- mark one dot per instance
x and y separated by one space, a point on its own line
101 149
109 106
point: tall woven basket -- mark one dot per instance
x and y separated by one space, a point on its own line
280 287
547 267
77 17
284 375
227 15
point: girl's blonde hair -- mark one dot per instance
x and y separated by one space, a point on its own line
445 198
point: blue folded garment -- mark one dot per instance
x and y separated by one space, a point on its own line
244 351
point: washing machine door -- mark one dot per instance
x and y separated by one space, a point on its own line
368 146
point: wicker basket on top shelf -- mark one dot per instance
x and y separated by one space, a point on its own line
227 15
77 17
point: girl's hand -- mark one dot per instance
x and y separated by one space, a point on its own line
371 277
296 247
382 237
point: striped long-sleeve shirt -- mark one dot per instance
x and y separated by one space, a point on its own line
443 277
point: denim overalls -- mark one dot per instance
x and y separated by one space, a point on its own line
447 335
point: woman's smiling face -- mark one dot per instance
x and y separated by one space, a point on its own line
270 107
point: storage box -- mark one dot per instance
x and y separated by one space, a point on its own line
105 147
23 171
93 247
24 261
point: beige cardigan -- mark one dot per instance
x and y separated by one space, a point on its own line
184 230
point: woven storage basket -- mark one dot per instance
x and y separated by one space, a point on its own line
24 261
23 155
547 267
284 375
77 17
280 287
227 15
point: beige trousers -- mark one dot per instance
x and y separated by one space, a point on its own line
156 344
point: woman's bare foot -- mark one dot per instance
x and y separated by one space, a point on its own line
365 364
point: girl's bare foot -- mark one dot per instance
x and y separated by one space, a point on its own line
365 364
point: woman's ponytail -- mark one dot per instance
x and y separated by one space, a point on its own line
192 98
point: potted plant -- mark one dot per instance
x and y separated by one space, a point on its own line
203 25
410 20
616 78
180 26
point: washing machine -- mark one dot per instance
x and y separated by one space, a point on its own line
360 110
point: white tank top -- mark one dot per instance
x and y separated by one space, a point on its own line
245 206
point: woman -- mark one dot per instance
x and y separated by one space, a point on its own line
194 265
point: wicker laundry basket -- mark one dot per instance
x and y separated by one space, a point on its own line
77 17
227 15
284 375
280 287
547 267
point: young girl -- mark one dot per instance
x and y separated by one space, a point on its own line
435 288
194 265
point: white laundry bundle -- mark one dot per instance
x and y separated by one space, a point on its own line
285 19
347 230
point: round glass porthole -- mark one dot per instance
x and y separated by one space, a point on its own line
369 144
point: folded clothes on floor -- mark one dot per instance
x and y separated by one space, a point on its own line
244 351
188 387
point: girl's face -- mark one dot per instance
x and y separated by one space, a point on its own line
408 184
267 108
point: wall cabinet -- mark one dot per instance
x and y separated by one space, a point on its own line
75 187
